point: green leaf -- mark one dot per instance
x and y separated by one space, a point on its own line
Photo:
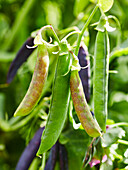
74 160
93 1
53 13
118 53
118 96
6 56
79 6
105 4
122 69
110 122
112 135
107 165
77 140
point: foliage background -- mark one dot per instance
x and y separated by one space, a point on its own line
18 18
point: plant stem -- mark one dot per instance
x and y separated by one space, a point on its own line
5 126
84 28
119 124
71 33
86 161
67 30
14 120
122 142
43 161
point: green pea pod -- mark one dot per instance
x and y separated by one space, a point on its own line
100 81
59 104
81 106
37 83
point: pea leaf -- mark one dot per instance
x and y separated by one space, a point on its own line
6 56
118 96
76 140
79 6
112 135
107 165
105 4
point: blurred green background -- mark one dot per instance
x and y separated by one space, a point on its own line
18 18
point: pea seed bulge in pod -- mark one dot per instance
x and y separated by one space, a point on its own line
63 85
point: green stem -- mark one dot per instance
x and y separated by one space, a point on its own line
14 120
6 56
18 23
70 34
85 162
67 30
122 142
84 28
119 124
23 122
28 118
43 161
5 126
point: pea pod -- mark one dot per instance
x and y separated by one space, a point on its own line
63 157
20 58
100 81
84 73
59 104
30 151
81 106
50 165
37 83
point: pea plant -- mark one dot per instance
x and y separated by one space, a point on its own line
67 126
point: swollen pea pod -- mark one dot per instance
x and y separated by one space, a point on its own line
20 58
81 106
84 73
100 81
30 151
63 157
50 165
59 103
37 83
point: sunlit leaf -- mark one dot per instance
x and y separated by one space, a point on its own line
112 135
106 4
107 165
6 56
53 13
79 6
118 96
